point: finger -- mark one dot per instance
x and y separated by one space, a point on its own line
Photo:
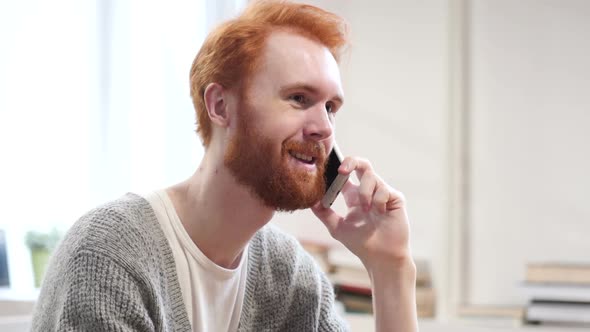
359 165
396 199
367 189
350 193
381 197
328 217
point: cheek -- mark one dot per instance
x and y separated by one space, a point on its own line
276 120
282 126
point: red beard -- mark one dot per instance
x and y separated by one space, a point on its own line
252 159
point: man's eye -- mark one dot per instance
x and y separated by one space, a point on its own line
300 99
330 108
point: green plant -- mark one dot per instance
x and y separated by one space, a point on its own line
42 241
41 245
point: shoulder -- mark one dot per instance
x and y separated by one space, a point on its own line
123 214
116 258
271 235
123 229
273 244
279 255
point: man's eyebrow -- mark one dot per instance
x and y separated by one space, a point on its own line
309 88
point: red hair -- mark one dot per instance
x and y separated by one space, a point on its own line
232 50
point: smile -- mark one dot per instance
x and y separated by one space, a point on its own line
302 157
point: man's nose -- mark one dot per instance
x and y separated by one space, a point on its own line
318 124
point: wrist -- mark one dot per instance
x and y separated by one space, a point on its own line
394 296
401 270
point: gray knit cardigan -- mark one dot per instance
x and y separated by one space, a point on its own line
114 271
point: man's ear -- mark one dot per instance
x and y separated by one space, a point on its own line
216 103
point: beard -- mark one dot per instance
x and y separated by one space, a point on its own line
273 178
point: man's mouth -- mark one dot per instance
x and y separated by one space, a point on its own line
307 159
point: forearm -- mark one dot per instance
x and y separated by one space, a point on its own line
394 297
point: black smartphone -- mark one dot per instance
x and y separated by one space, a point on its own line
334 180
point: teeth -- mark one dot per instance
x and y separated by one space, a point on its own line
302 156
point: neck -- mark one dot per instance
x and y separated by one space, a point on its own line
219 214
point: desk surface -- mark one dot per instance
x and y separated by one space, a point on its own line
364 323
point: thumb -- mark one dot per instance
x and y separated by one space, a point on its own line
328 217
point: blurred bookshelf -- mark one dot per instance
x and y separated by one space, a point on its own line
352 285
558 294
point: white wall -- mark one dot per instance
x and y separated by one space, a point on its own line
530 117
528 93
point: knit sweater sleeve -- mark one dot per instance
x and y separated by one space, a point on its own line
112 272
94 293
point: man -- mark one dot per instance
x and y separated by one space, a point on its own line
199 255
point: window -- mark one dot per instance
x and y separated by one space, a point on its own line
94 102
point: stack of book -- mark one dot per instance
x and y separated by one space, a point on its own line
353 286
558 293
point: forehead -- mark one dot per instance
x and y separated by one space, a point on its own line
289 58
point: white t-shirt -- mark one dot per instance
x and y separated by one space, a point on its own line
213 295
